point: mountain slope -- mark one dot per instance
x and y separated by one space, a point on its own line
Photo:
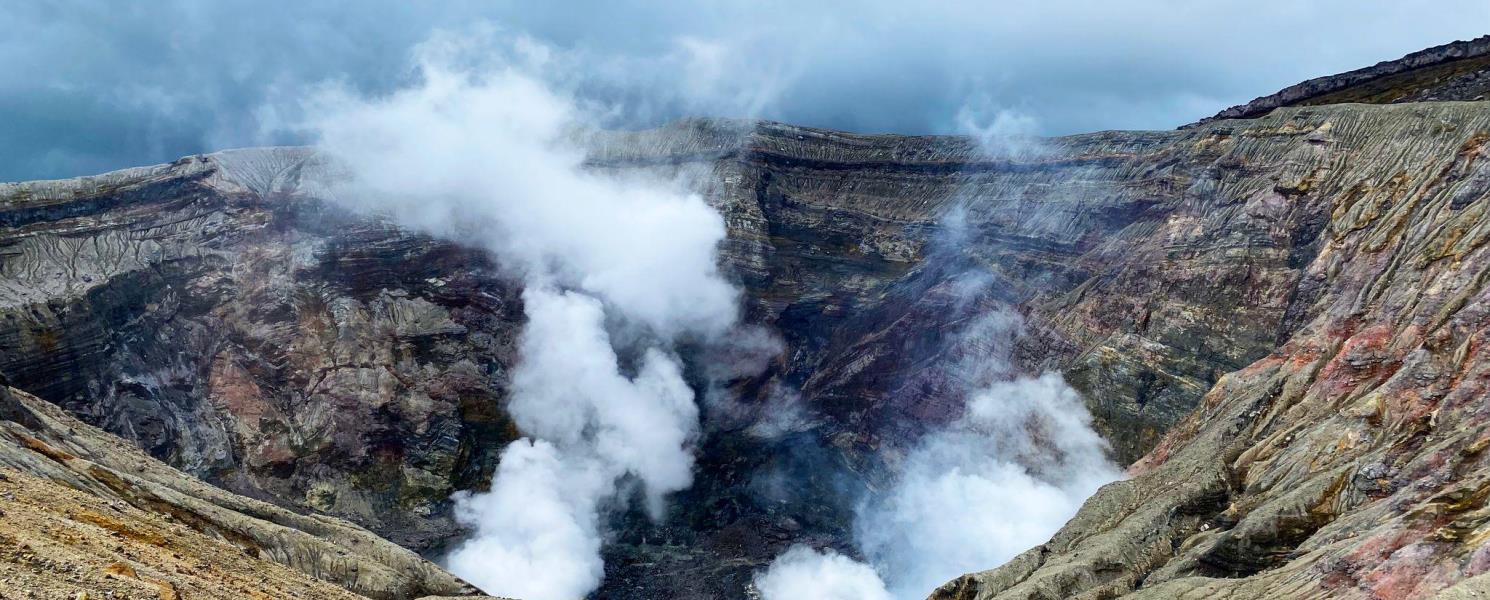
1348 463
82 511
1454 71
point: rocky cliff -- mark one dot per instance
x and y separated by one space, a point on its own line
332 364
82 511
1348 462
233 325
1304 285
1454 71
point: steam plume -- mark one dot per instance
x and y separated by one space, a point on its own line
1000 480
802 572
1003 477
482 149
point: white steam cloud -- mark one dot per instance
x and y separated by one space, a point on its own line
1002 478
999 480
802 572
1001 132
484 150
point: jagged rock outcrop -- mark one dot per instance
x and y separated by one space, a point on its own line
1454 71
82 511
1349 462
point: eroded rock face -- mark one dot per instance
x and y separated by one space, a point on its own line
263 342
216 313
1349 462
82 511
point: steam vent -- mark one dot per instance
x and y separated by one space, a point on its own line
462 331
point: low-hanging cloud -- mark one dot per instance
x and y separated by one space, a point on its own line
484 148
91 85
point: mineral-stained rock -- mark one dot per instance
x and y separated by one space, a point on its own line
84 511
1349 462
335 364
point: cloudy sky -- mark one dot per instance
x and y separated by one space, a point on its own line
93 85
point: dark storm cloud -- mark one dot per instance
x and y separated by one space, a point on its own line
88 86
